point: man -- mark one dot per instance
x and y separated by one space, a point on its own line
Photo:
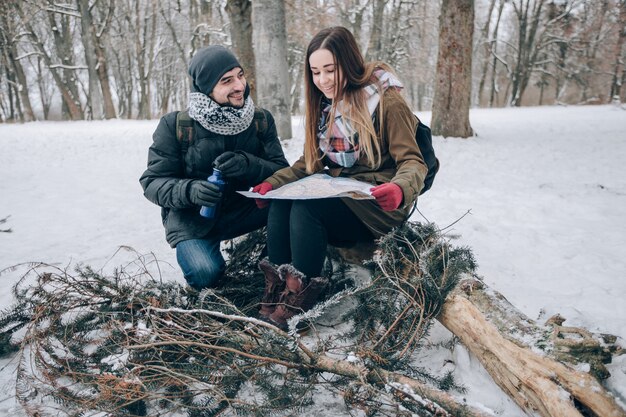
225 137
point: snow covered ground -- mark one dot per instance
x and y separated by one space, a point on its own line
545 188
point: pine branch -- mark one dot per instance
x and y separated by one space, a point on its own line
126 343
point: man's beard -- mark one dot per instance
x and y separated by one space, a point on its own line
237 106
229 102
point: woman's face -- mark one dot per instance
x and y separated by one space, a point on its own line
325 73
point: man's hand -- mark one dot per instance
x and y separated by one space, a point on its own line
262 189
388 195
204 193
231 164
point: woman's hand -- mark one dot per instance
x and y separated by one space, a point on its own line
388 195
262 189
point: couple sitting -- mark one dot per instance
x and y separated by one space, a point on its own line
357 125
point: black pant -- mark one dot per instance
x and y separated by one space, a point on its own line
299 230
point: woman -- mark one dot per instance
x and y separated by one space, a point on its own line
358 126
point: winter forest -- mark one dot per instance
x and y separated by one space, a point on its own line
458 312
103 59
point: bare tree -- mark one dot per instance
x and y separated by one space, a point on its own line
99 30
486 41
17 85
59 60
375 45
352 14
528 18
454 78
240 15
270 50
619 73
494 53
130 57
94 96
45 87
61 22
304 19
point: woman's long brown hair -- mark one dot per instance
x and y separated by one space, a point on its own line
351 75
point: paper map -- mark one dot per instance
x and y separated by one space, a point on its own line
318 186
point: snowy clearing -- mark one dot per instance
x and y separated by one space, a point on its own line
545 188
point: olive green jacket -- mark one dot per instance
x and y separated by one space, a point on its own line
402 163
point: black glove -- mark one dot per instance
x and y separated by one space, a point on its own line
231 164
204 193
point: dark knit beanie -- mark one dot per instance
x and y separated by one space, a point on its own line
208 66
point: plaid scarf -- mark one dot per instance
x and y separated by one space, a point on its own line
223 120
341 145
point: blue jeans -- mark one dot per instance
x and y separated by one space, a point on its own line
201 261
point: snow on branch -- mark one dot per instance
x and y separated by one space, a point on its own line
63 9
29 54
70 67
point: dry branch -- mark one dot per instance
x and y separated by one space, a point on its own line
128 343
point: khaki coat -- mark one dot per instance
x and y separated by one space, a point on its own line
402 164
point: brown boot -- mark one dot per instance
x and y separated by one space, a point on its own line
274 285
299 295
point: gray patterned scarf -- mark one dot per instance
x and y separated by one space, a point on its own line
223 120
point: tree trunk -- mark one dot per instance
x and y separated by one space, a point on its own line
498 335
22 88
357 10
494 51
103 75
374 48
527 47
102 63
14 112
45 96
65 77
295 90
487 42
270 51
454 70
95 93
166 13
240 15
145 26
619 72
15 72
70 100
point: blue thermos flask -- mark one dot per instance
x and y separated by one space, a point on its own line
215 178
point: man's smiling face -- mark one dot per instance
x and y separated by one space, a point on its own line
229 91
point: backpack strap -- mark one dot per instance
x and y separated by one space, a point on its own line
260 120
184 130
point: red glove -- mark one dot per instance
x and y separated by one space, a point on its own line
387 195
262 189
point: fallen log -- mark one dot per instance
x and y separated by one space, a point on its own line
534 374
536 365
